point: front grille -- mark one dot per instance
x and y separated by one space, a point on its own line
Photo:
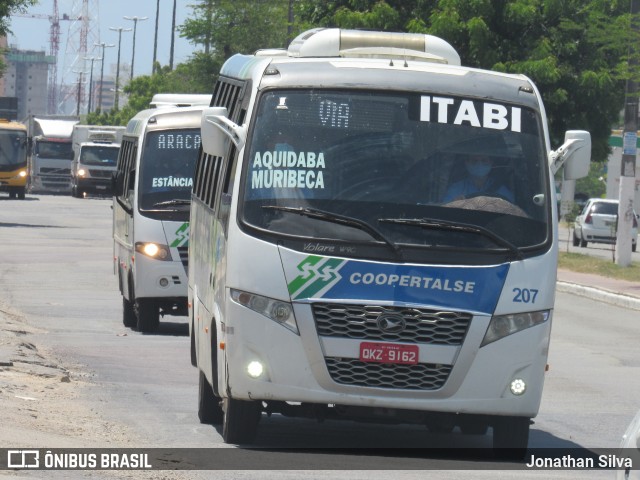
425 326
100 173
422 376
56 171
184 257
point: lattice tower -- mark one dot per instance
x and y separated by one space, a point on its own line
84 33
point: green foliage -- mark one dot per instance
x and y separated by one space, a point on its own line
194 76
574 50
226 27
579 262
8 8
594 184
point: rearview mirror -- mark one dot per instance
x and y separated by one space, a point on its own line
217 130
577 165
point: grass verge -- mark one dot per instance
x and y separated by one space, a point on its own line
578 262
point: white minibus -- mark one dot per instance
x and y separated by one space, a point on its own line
151 213
374 238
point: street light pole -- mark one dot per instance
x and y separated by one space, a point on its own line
155 38
173 35
91 59
119 30
135 27
103 46
79 93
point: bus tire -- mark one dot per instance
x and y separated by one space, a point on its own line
148 315
241 418
209 408
21 193
511 437
128 314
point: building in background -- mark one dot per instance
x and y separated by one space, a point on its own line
3 45
26 77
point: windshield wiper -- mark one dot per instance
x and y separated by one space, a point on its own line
175 201
457 227
340 220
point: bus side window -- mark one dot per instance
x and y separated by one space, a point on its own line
120 172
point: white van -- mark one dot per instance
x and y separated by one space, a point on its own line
151 213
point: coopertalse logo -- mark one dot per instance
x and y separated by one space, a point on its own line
317 275
182 236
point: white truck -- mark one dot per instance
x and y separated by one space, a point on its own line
95 155
51 154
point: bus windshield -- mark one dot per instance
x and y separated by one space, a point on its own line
167 165
13 149
101 156
418 170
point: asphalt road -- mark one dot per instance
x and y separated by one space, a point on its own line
56 268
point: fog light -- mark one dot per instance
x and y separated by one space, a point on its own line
255 369
164 282
518 386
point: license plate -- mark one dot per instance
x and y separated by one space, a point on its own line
101 187
389 353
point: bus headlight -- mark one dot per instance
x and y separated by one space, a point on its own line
502 326
276 310
154 250
22 174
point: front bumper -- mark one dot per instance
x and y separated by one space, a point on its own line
299 368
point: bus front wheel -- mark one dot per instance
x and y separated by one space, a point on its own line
241 418
128 313
148 315
209 409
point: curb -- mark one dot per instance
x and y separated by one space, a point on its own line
599 294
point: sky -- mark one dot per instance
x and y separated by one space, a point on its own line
34 33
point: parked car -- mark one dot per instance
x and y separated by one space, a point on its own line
597 223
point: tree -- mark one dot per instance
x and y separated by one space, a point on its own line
226 27
574 50
8 8
194 76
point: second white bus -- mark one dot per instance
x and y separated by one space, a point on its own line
151 213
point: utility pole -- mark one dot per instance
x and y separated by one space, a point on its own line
119 30
629 148
79 91
103 46
155 38
173 35
135 27
91 59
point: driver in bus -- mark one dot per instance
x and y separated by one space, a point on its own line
478 181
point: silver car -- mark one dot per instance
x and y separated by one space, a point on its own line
598 224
